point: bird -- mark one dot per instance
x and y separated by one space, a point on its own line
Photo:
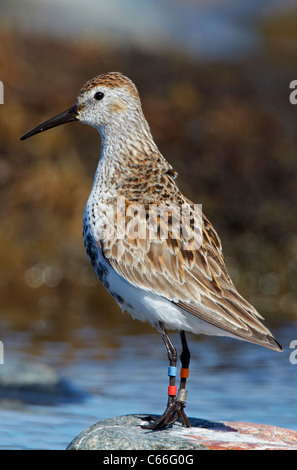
175 279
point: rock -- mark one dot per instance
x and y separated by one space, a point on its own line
34 383
125 432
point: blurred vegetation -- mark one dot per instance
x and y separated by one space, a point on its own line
227 128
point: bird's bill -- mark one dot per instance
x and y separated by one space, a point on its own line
67 116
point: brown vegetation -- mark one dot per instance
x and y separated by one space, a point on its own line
228 129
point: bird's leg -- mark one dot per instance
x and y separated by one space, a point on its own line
174 408
184 374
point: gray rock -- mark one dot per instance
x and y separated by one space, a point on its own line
125 432
34 383
27 376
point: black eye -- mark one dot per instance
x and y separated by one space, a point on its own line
98 95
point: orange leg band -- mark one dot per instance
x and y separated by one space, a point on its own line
184 373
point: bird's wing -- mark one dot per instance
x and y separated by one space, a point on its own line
191 274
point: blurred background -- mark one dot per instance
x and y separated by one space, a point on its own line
214 81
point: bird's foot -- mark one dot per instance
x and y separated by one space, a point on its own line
174 410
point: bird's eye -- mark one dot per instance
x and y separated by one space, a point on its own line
98 95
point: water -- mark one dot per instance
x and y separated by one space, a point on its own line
229 380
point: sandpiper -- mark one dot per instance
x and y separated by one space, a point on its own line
165 280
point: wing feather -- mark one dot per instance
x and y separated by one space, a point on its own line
196 279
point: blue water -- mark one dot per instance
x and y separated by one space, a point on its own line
229 380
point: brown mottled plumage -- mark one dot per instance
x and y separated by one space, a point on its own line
110 80
173 278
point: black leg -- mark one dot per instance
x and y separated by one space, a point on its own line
185 355
175 405
184 373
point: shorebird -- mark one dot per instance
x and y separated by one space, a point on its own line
173 284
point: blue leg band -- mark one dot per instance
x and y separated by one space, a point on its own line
172 371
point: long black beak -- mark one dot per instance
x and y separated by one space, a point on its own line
67 116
